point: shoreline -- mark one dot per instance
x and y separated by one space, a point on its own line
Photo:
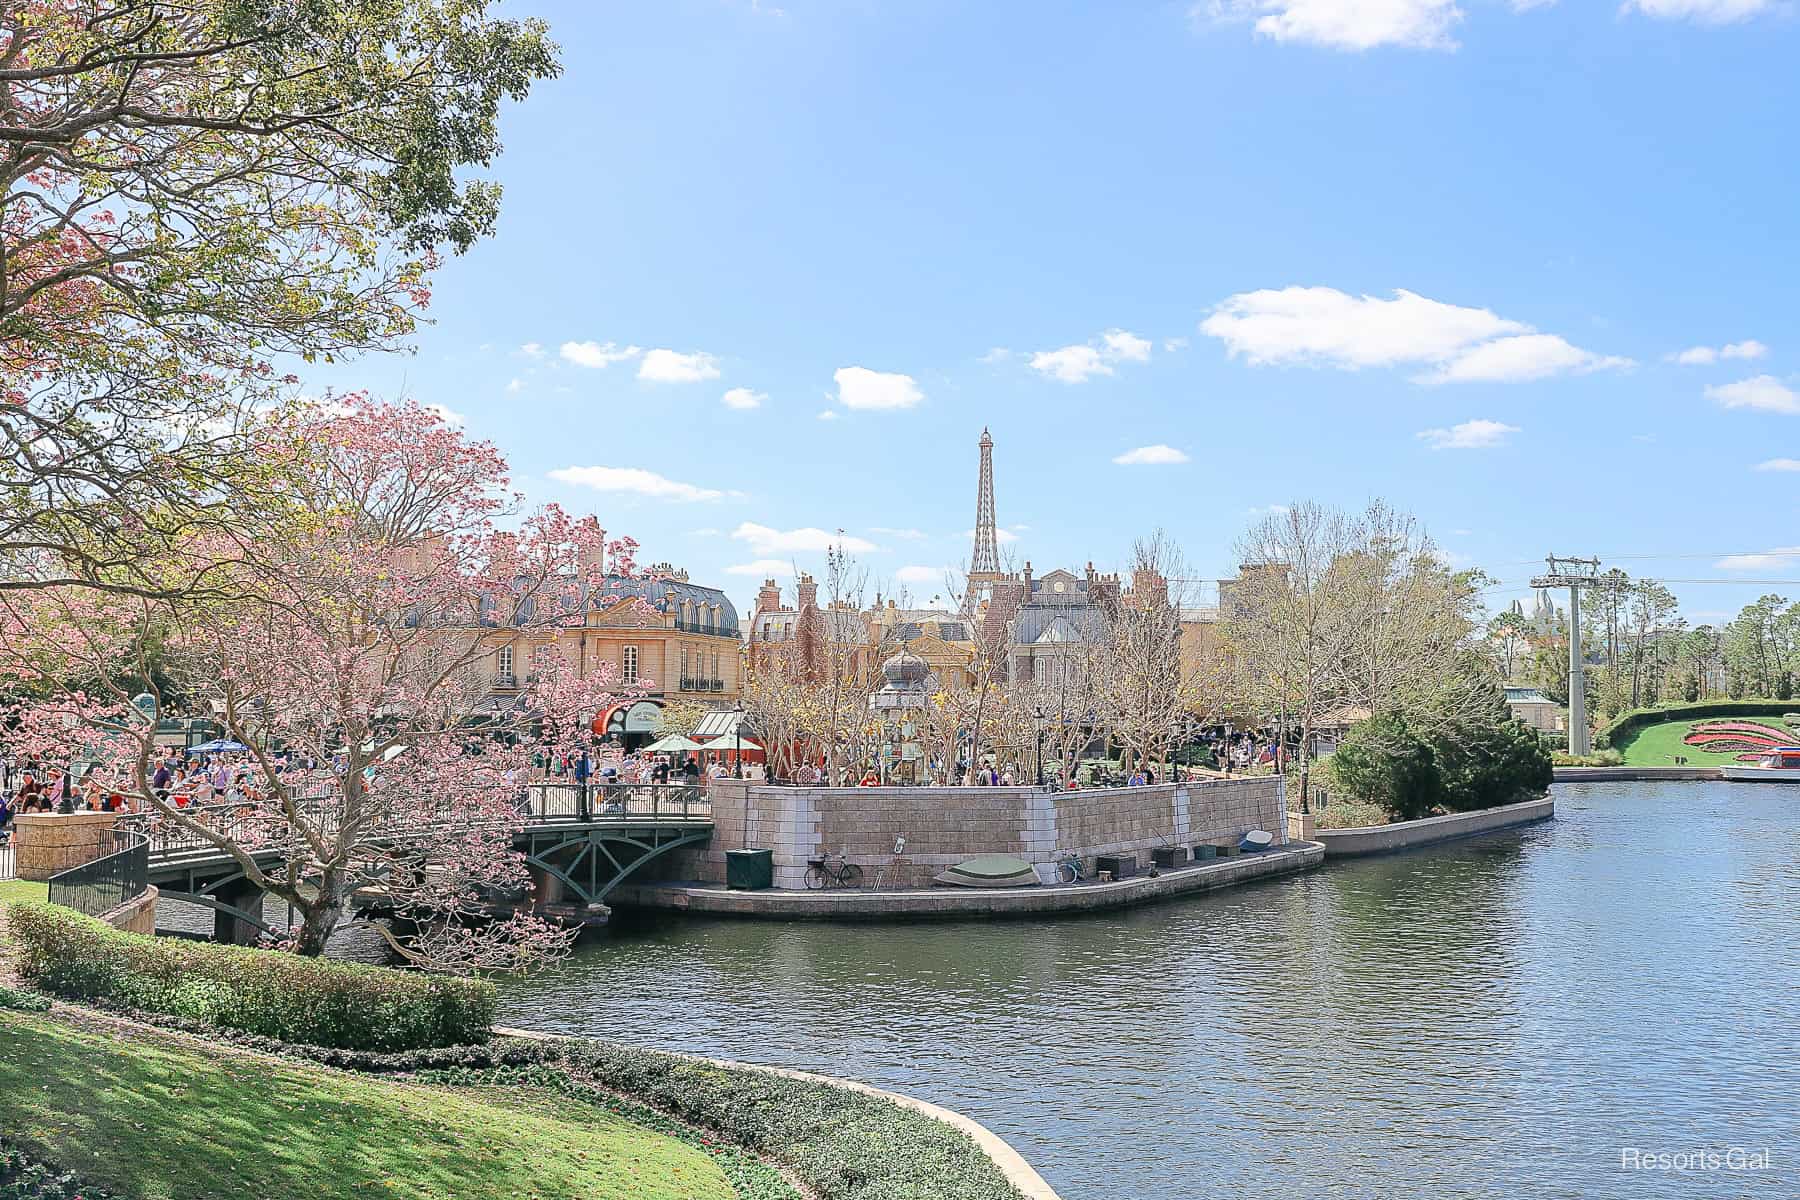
959 903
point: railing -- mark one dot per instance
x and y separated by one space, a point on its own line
260 830
117 877
617 802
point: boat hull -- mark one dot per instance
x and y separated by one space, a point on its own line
1761 774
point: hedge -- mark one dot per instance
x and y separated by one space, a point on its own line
843 1145
267 992
1623 726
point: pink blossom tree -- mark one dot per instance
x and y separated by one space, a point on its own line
354 621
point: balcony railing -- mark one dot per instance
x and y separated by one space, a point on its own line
506 681
689 683
709 628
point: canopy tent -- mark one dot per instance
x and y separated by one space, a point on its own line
674 743
724 723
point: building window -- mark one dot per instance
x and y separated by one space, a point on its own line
685 676
628 664
503 663
715 674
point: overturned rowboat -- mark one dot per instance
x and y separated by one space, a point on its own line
990 871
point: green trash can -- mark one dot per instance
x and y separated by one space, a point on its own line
749 870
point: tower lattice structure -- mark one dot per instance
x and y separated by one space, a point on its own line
986 559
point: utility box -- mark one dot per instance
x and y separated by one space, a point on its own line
1168 857
749 870
1122 866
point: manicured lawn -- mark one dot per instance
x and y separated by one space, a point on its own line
18 889
164 1118
1657 745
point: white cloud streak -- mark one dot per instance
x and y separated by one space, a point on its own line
1078 364
1324 327
1343 24
1778 559
1157 455
743 399
1702 356
1478 434
861 388
635 481
1779 464
669 366
1764 393
764 540
594 355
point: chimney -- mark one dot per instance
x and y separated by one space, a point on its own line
806 593
769 598
1028 575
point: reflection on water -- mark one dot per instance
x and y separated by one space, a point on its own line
1495 1018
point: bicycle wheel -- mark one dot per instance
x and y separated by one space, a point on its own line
1065 873
815 878
850 876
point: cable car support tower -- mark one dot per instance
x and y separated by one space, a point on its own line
1574 574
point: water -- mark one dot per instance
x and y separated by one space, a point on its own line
1499 1017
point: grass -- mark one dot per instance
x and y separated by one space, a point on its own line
1658 745
164 1118
1349 814
19 889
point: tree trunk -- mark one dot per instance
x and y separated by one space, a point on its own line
319 918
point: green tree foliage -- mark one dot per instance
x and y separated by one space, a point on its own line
1484 757
1381 761
192 188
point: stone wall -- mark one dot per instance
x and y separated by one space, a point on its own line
944 826
45 843
1379 839
135 916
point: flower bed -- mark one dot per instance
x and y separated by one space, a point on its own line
256 991
1747 739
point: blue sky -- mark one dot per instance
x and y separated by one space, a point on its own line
1441 253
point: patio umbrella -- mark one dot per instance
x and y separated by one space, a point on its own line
219 746
674 743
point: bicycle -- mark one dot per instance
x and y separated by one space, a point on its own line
832 870
1068 869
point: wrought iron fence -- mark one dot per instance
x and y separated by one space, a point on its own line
118 876
616 801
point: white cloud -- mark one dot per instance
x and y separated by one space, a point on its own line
907 535
448 416
1703 12
1701 356
861 388
1078 364
596 355
1780 558
1001 536
919 574
1779 464
1764 392
1323 327
743 398
998 354
1470 435
709 531
768 568
668 366
765 541
828 414
1150 456
1524 357
634 480
1267 510
531 350
1345 24
1175 343
514 385
1124 346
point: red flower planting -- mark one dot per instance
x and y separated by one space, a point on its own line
1728 737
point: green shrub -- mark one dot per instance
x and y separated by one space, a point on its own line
1382 762
19 1001
1486 758
265 992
